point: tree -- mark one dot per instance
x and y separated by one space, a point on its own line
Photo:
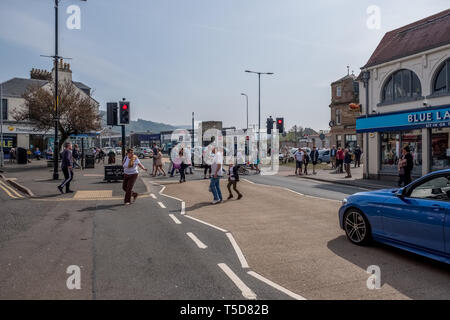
77 111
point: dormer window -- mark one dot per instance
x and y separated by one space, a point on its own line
338 91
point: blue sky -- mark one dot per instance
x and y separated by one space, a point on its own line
172 57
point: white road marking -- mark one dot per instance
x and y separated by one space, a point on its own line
18 195
276 286
161 204
165 195
249 181
246 291
152 195
239 253
199 244
287 189
175 219
208 224
183 207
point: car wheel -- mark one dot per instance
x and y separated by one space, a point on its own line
319 161
357 227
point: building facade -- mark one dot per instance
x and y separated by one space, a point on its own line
23 134
408 99
344 92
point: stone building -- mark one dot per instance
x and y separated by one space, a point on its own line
344 92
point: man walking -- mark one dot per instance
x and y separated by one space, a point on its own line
216 170
357 154
66 167
347 162
314 158
333 153
298 161
233 179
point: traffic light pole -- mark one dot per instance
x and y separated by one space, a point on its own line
123 140
56 58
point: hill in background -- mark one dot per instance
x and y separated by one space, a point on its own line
141 125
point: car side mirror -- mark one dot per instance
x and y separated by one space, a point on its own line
400 193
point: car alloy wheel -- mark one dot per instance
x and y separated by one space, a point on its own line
356 227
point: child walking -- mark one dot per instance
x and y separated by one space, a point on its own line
233 179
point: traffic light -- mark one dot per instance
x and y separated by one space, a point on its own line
124 111
111 114
280 125
269 125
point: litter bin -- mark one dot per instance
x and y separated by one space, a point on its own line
22 156
89 161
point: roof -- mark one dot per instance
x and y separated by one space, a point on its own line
16 87
422 35
80 85
349 76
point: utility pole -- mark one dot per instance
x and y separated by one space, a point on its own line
56 59
2 155
366 77
192 141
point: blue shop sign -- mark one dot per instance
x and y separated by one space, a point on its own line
436 117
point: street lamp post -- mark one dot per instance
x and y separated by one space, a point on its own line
246 96
366 77
2 155
259 103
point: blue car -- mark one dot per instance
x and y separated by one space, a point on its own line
415 218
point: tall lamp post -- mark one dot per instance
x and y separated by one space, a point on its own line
246 96
56 58
259 103
2 155
366 77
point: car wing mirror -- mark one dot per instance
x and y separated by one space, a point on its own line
400 193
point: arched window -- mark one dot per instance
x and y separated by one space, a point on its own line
402 85
442 81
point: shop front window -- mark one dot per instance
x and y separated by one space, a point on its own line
440 149
350 141
391 149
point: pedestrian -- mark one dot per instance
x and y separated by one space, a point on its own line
305 162
298 155
37 154
182 165
357 154
188 159
130 175
347 162
76 156
339 160
233 179
409 164
314 158
111 157
154 151
159 164
216 169
171 168
401 170
66 167
207 158
12 155
333 153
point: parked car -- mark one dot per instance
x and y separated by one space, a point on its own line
118 150
143 152
324 156
415 218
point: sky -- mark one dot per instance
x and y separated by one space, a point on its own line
170 58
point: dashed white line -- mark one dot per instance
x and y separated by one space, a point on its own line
199 244
287 189
246 291
208 224
239 253
175 219
249 181
276 286
152 195
161 204
183 207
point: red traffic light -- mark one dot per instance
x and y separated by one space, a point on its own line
125 107
280 121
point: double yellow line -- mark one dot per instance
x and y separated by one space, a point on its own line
10 191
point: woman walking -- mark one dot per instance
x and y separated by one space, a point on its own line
130 175
159 164
182 166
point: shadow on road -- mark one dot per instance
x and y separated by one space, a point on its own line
198 206
414 276
102 207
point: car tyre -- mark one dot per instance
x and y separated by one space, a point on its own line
357 227
319 161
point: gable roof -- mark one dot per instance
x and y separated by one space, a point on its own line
349 76
419 36
16 87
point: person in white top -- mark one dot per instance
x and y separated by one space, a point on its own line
130 175
216 170
298 155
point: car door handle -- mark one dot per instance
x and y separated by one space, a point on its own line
436 207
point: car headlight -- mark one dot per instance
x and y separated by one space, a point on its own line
344 202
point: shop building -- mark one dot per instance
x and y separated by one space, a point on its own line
23 134
407 85
344 96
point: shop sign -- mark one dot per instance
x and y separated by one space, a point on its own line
424 118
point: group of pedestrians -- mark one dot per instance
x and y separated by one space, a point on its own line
342 158
303 158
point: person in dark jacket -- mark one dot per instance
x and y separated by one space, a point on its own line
408 165
347 162
333 154
314 155
357 154
76 155
233 179
66 167
305 163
